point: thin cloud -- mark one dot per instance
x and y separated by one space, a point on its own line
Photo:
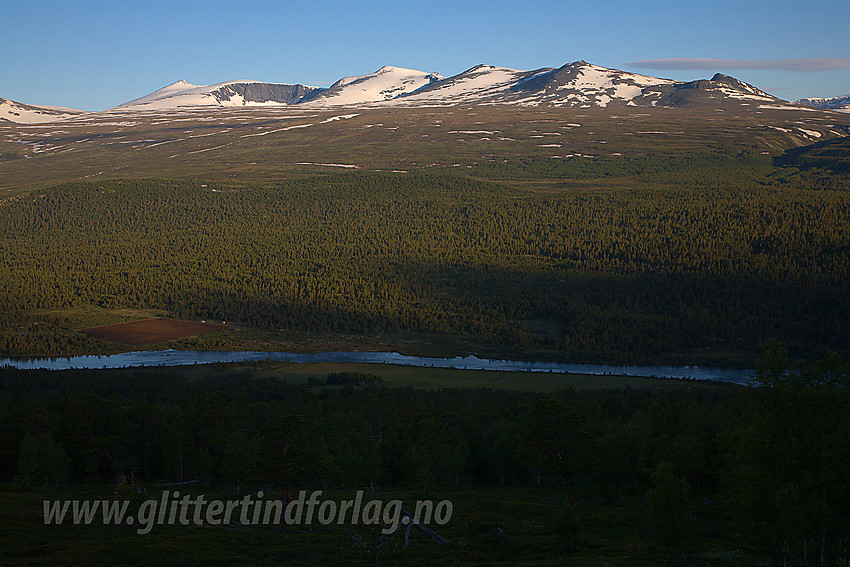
808 65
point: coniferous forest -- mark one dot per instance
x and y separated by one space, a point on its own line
686 274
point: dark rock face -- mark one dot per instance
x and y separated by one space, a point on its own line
548 81
732 81
706 92
264 92
692 93
738 85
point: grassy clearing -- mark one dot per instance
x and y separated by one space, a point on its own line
149 331
435 378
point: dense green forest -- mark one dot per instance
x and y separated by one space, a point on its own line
726 476
701 270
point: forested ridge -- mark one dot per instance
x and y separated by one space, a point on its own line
630 274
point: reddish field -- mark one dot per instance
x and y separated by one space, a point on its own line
149 331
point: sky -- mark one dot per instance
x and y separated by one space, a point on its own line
94 55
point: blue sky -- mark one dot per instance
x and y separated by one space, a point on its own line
94 55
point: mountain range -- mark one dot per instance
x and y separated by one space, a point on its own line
578 84
840 103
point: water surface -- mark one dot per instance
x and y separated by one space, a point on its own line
188 357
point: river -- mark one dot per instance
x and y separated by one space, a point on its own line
188 357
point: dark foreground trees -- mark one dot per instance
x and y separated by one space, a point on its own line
788 473
760 468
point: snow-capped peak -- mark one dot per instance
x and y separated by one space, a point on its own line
181 84
481 81
386 83
839 103
577 84
574 84
33 114
229 93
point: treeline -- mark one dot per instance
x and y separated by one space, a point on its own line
706 167
765 463
830 156
822 166
623 275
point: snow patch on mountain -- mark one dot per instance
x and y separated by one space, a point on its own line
578 84
31 114
839 103
479 82
583 84
384 84
230 93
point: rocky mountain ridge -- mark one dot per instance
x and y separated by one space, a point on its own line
579 84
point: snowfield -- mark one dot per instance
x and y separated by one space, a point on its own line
384 84
482 80
28 114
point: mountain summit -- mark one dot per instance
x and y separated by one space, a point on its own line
578 84
231 93
33 114
386 83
